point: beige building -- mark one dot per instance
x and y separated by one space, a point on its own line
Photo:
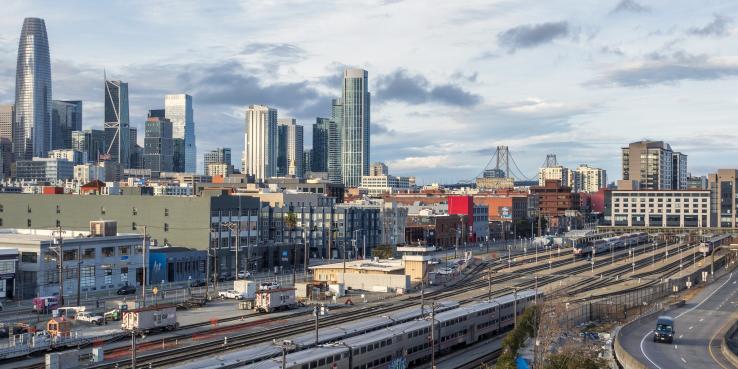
654 208
589 179
654 165
557 173
495 183
723 190
219 169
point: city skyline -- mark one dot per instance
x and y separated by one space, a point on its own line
538 81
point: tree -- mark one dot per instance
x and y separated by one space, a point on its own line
291 222
383 251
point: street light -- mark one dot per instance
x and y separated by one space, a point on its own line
236 227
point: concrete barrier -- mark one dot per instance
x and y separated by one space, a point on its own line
729 346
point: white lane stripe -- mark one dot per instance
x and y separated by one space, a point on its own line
643 351
684 361
690 327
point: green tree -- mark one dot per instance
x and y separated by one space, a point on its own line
291 222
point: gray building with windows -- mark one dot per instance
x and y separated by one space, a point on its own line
90 141
117 130
66 117
158 146
355 127
221 155
44 169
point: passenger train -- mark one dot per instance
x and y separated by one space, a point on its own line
611 243
709 244
409 343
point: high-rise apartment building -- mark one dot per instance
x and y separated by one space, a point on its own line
556 173
178 109
307 162
355 127
291 147
335 141
117 130
589 179
281 150
654 166
320 145
723 186
7 117
66 116
260 154
32 132
90 141
158 148
217 156
379 169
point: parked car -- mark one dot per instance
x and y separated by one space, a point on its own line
89 317
265 286
230 294
197 283
244 275
126 290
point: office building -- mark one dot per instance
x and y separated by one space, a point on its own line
218 169
723 186
307 162
378 185
74 156
334 141
378 169
261 142
91 142
117 130
178 109
654 166
659 208
158 149
553 201
66 117
7 119
320 145
697 182
556 173
355 127
217 156
44 169
589 179
86 173
32 132
178 155
290 147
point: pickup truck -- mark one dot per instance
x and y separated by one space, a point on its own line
230 294
86 316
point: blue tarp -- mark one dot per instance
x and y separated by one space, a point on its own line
520 363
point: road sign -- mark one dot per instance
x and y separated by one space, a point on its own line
155 290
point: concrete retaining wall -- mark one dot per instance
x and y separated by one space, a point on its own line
626 360
729 346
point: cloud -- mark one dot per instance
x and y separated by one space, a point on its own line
416 89
419 162
278 50
718 27
532 35
379 129
629 6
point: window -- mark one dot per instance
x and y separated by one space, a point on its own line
108 251
87 277
1 208
124 250
58 209
29 223
166 212
135 211
58 223
70 255
88 254
124 274
108 273
166 227
133 226
102 210
29 257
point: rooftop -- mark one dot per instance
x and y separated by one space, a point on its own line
384 265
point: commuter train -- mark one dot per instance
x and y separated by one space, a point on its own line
611 243
708 245
409 343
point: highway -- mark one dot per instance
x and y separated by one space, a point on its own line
696 325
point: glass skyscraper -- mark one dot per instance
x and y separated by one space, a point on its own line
320 145
178 109
334 141
117 133
66 117
355 128
32 132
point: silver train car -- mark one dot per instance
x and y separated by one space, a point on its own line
599 246
409 343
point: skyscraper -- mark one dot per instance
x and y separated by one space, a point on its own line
117 133
355 128
178 109
7 118
32 132
90 141
320 145
293 146
217 156
654 166
158 148
66 116
281 149
261 142
334 141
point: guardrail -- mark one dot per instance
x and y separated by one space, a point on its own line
729 346
626 360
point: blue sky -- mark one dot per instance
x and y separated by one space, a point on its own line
449 81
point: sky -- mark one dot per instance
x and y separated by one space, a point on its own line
450 81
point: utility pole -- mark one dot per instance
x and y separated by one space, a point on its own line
79 272
515 307
133 349
145 266
433 335
59 241
306 253
238 239
489 292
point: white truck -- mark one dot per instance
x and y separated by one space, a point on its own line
246 291
268 301
152 318
86 316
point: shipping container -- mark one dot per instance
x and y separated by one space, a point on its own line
268 301
152 318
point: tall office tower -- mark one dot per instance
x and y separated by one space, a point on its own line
653 165
134 150
320 145
116 125
355 128
90 141
293 146
178 156
66 116
7 117
217 156
334 141
307 162
589 179
378 169
281 149
158 150
178 109
32 132
261 142
723 186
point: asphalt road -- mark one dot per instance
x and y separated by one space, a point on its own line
696 324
